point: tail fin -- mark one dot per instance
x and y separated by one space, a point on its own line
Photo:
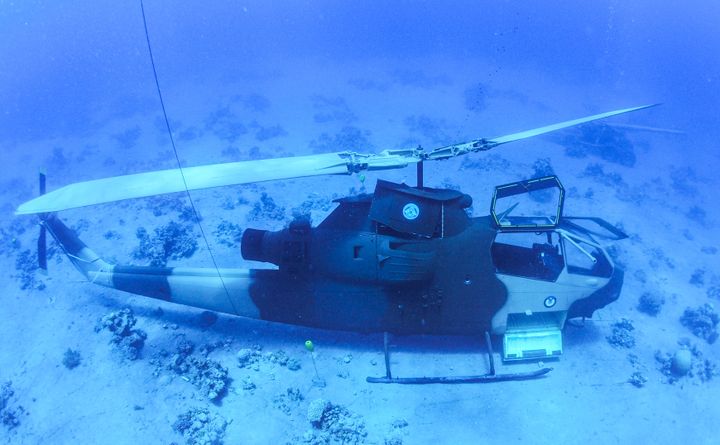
83 258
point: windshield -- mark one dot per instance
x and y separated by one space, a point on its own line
536 203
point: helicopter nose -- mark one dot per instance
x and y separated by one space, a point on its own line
600 298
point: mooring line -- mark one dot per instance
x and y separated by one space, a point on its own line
177 158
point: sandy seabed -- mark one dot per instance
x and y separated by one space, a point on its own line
660 201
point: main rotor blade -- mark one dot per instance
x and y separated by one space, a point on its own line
486 144
142 185
547 129
170 181
160 182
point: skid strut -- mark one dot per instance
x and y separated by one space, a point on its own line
492 376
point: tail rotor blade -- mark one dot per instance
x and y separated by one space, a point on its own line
42 248
42 237
43 180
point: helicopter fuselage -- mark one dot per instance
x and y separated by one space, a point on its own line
401 260
368 267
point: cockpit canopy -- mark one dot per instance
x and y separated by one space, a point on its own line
534 204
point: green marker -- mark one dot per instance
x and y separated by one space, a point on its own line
361 177
317 381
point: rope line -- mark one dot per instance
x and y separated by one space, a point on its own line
177 158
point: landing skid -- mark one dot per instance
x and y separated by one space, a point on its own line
485 378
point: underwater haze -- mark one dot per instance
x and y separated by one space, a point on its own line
242 81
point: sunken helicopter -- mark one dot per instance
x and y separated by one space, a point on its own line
400 260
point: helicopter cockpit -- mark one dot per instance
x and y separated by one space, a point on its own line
526 215
544 255
533 242
552 265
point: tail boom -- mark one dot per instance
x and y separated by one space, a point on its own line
221 290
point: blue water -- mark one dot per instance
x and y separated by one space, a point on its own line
256 79
60 61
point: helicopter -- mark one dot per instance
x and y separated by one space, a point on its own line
401 260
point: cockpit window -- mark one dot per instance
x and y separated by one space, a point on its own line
534 255
531 205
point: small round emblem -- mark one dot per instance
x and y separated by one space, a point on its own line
550 301
411 211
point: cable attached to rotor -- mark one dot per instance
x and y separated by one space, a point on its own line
177 158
